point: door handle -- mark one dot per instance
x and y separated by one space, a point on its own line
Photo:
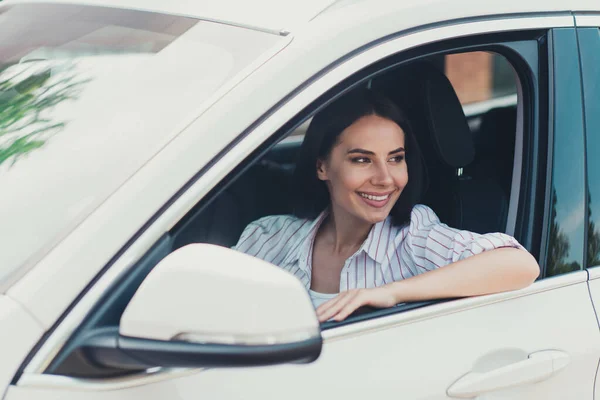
537 367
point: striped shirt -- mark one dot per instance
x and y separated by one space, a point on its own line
390 253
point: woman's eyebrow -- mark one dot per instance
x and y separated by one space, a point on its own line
360 151
398 150
368 152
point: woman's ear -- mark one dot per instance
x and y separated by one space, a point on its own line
322 170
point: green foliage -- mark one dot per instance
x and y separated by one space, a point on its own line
26 99
19 146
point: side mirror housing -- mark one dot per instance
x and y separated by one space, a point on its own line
209 306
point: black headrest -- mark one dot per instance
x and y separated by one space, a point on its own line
497 131
448 125
431 103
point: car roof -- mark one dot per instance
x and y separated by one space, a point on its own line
280 15
272 15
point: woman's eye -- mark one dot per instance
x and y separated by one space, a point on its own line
397 159
360 160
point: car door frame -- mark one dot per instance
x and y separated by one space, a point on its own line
583 21
33 371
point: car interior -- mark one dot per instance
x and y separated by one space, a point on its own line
469 162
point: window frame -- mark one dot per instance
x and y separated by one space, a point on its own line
589 25
256 140
562 59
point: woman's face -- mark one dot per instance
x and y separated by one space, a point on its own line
366 169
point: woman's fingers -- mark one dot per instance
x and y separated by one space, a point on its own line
325 309
337 304
351 306
341 306
330 303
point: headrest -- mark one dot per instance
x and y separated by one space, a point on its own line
430 102
497 129
450 132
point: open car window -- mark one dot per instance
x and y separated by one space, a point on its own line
270 178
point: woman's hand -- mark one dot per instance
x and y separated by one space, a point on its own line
346 303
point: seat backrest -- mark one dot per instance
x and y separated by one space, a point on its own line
439 123
495 146
262 190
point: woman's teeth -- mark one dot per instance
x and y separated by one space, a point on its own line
376 198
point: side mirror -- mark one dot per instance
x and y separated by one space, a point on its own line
209 306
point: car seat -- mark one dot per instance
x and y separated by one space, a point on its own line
475 203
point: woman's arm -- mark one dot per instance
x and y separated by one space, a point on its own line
492 271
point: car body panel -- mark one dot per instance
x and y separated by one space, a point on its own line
448 339
19 334
271 15
290 15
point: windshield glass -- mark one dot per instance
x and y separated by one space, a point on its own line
87 95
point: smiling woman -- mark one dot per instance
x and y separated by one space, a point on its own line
358 236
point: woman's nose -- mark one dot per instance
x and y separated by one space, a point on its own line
382 176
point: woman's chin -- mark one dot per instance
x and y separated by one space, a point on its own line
375 216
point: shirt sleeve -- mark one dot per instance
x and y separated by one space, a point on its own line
265 238
432 244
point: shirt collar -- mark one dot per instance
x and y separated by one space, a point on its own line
301 251
375 245
377 242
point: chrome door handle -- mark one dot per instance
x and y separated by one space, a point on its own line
537 367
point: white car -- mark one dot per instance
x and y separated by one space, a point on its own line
138 138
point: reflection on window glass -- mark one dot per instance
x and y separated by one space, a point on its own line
41 44
590 64
87 96
28 91
567 212
479 76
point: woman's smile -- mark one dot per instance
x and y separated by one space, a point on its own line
377 200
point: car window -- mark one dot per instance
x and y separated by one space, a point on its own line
567 201
266 188
87 95
480 76
589 39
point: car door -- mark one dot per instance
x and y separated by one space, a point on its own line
589 42
541 342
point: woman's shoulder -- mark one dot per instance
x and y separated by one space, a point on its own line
270 231
272 223
422 217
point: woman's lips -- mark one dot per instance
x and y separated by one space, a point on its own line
374 199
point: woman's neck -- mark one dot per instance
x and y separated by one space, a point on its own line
345 233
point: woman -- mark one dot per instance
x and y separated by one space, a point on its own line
358 238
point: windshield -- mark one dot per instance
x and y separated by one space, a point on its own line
87 95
